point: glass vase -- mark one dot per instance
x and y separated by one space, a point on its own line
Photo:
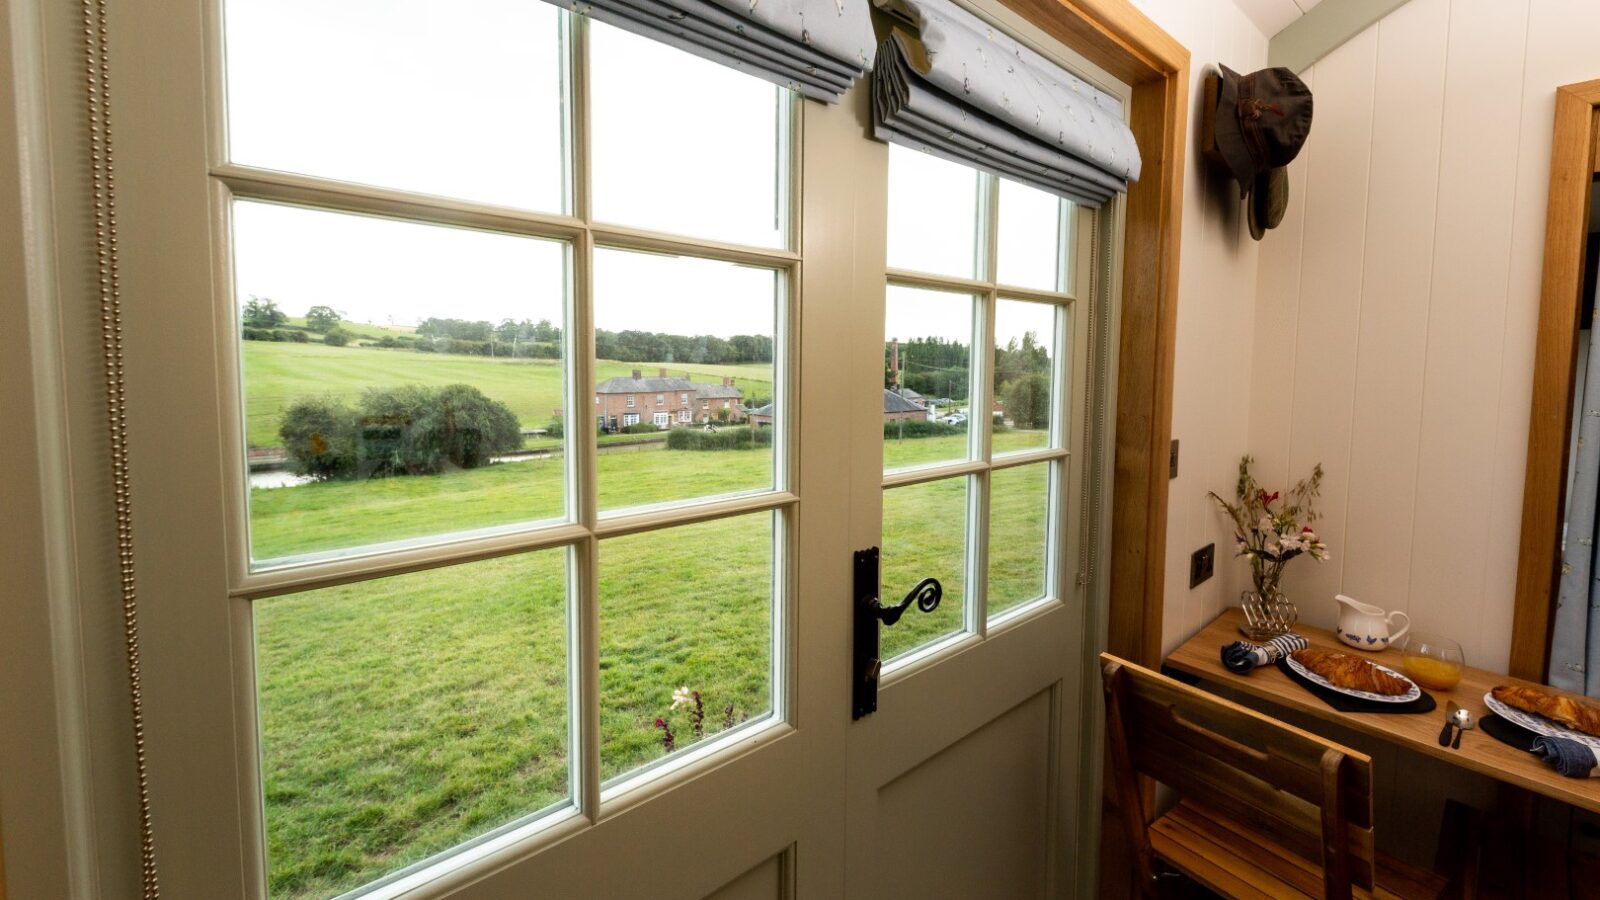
1267 613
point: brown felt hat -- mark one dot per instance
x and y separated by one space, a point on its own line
1262 121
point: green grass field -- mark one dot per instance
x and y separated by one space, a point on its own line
402 716
277 374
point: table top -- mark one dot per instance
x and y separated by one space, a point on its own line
1200 656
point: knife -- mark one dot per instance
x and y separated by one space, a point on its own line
1449 722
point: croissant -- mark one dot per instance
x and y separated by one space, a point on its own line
1555 707
1350 672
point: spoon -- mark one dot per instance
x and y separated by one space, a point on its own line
1464 723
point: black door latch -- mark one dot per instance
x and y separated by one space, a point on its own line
868 612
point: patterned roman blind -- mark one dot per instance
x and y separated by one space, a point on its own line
951 84
816 47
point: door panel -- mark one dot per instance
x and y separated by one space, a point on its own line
764 882
999 777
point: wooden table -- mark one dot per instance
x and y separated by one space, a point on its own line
1200 656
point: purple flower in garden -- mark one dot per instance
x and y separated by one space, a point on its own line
697 717
668 741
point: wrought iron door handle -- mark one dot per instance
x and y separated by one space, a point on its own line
868 612
927 595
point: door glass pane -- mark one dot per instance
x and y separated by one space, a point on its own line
927 373
1024 362
933 214
460 99
692 339
400 380
1032 238
1019 506
682 144
403 716
686 635
924 536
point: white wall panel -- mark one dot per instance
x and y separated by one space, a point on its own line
1325 347
1466 319
1397 273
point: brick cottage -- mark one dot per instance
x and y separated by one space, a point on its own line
664 401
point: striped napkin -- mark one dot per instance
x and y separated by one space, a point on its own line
1242 656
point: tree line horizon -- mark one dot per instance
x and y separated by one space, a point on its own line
526 338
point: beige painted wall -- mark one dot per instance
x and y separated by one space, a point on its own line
1394 329
1216 318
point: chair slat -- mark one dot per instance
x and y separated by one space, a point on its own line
1290 760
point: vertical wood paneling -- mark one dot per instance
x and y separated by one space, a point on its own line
1395 288
1272 389
1333 250
1483 95
1232 335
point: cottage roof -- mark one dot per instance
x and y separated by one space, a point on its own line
622 384
718 391
758 411
894 403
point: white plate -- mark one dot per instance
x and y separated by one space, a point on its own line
1316 679
1538 724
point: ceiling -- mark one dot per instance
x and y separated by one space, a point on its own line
1272 16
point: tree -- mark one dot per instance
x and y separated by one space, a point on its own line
336 337
1027 401
417 430
319 436
261 312
322 319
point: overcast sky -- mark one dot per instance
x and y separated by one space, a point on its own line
464 100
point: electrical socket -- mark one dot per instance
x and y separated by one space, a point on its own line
1202 563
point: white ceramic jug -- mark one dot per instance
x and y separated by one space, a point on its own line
1366 627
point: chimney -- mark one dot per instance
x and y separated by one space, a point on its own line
637 375
663 371
894 360
727 381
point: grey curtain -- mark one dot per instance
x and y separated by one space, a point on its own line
948 83
1575 643
816 47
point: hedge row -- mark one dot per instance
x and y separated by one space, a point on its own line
916 428
281 335
741 437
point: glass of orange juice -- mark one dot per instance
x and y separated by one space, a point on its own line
1432 661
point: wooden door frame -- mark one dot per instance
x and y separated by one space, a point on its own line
1572 172
1117 37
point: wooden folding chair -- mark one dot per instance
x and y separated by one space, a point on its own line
1265 810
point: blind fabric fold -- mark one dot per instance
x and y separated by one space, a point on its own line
963 90
816 47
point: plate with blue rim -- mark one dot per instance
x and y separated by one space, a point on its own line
1412 694
1539 724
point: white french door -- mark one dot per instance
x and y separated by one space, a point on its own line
988 311
415 626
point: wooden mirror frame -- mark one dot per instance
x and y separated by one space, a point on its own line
1573 166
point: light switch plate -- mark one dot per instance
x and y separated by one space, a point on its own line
1202 563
